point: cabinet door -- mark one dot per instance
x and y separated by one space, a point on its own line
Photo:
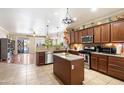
76 37
103 64
97 34
105 33
94 62
90 31
117 31
116 67
80 35
72 37
84 33
40 58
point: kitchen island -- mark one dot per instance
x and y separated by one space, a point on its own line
68 68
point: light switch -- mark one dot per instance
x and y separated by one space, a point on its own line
72 67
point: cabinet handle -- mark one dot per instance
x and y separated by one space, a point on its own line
72 67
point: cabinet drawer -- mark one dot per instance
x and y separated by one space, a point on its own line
116 61
115 72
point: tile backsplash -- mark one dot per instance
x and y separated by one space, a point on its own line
115 45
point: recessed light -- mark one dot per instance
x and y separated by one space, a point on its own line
48 21
74 18
93 9
56 13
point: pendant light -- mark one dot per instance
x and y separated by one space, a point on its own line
67 20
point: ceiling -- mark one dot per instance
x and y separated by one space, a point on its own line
28 20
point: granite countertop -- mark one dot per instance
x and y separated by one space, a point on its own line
114 55
70 57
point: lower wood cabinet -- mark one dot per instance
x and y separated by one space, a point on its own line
99 63
94 62
103 64
40 58
116 67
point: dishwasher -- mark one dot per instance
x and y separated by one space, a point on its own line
48 57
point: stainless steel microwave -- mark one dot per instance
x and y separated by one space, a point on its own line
87 39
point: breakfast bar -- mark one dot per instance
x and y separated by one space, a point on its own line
68 68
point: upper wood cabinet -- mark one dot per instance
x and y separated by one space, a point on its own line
105 33
84 32
76 37
87 32
97 34
80 35
90 31
72 34
117 31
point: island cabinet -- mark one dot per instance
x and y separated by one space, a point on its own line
72 37
105 33
99 63
117 31
70 72
116 67
40 58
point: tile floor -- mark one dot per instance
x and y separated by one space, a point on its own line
21 74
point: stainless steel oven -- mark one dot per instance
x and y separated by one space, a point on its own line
86 60
87 39
86 54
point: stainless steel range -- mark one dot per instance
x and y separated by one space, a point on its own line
86 54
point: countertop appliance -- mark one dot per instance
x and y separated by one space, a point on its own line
86 54
48 57
108 50
87 39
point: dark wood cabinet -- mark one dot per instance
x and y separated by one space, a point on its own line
40 58
117 31
99 63
76 37
103 64
90 31
72 37
116 67
84 32
73 52
80 35
69 72
105 33
5 49
94 62
97 34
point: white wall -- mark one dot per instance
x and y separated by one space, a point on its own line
3 33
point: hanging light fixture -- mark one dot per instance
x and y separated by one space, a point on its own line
34 34
47 29
67 20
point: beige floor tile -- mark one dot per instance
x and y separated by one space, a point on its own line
96 81
17 74
116 82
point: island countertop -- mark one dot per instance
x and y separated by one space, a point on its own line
70 57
